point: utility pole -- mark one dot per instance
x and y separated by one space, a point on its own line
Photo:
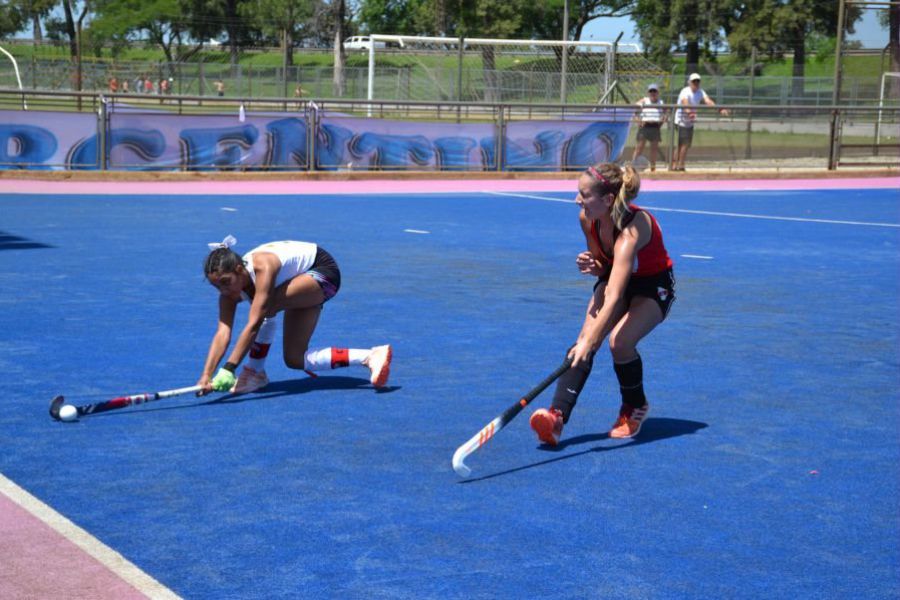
836 96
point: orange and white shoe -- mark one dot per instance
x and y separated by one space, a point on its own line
547 424
379 363
629 422
250 380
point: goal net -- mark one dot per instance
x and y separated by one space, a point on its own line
444 69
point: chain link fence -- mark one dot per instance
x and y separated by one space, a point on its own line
404 83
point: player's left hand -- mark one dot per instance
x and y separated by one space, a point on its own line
223 381
581 352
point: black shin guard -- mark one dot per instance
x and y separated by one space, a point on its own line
631 382
568 386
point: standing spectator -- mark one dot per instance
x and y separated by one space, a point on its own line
148 85
113 85
650 121
220 87
125 89
139 84
162 88
691 95
298 94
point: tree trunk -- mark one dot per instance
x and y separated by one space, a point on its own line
440 17
232 26
799 69
692 58
337 83
289 48
285 59
36 36
70 30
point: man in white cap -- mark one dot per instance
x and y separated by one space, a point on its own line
691 95
650 118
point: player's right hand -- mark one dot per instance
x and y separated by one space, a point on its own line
587 264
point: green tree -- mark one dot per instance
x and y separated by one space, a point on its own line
893 20
32 12
210 18
74 24
696 27
11 19
281 18
778 27
400 17
544 20
163 22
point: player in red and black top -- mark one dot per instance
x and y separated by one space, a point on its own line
634 291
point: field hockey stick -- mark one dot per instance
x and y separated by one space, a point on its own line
61 411
491 429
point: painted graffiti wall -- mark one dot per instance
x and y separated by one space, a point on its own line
136 140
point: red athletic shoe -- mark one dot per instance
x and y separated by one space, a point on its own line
379 362
629 422
547 424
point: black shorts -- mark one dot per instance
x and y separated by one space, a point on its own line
659 287
685 136
649 132
326 272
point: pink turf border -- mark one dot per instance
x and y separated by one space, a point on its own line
38 562
414 186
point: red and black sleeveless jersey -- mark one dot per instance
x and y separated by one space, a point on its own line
652 259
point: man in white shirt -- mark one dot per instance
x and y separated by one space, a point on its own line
691 95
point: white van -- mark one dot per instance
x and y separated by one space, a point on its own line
361 42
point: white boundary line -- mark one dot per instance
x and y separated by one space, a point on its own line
714 213
697 256
105 555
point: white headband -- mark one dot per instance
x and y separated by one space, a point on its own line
228 242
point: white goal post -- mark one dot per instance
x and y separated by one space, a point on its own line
884 80
18 77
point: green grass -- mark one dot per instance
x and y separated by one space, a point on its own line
852 66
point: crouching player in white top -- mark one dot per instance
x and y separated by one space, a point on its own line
295 278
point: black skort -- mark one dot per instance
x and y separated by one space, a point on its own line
659 287
685 136
649 132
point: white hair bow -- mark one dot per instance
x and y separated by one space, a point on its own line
228 242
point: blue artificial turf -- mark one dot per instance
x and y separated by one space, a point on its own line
768 467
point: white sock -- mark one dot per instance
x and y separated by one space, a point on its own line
324 359
259 349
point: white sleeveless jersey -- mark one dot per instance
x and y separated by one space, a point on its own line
296 258
651 111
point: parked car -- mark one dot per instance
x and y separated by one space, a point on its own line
361 42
